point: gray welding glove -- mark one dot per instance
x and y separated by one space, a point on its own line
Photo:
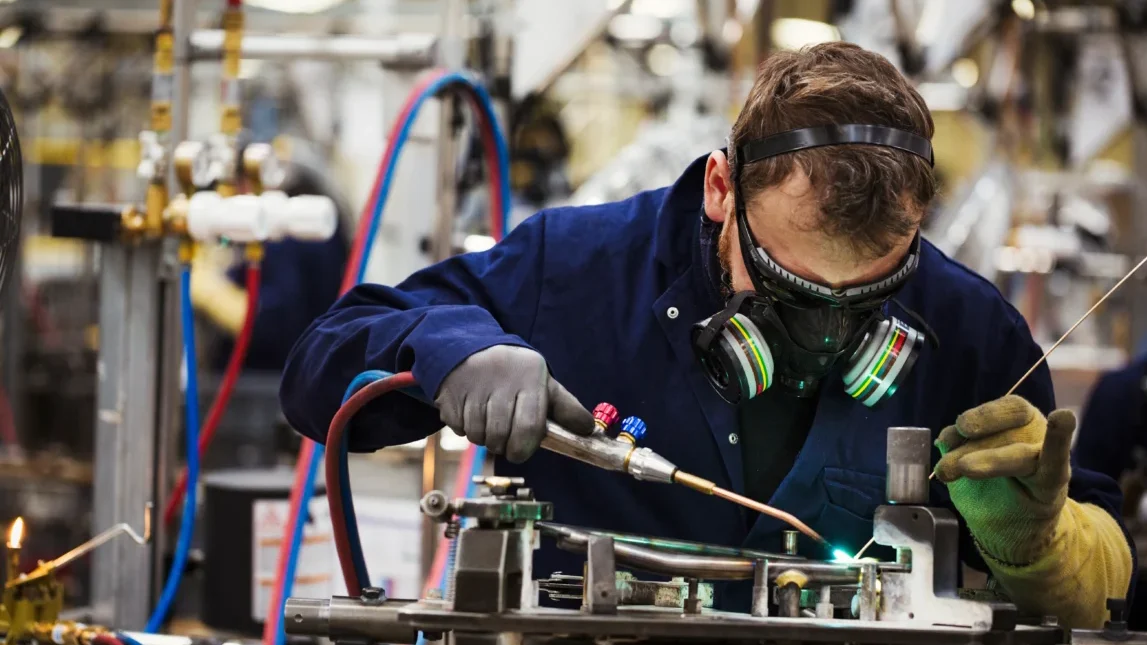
501 397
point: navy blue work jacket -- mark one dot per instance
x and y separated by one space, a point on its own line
608 294
1114 421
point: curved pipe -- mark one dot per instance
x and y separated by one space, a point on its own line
555 530
652 561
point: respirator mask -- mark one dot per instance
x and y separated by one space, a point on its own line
792 332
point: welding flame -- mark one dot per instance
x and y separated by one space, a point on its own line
16 533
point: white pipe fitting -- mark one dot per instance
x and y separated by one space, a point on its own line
240 219
309 218
270 216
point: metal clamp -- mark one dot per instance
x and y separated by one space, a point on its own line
928 591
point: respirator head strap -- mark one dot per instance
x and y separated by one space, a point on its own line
833 135
707 333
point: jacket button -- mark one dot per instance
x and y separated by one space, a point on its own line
672 313
733 438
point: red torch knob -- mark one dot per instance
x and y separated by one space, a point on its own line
605 415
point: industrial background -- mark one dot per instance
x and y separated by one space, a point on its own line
127 109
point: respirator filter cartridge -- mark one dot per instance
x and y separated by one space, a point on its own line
882 361
739 364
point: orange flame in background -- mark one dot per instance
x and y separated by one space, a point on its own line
16 533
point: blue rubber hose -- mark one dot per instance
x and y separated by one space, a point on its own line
487 105
191 406
297 541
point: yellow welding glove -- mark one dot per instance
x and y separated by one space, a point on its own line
1007 469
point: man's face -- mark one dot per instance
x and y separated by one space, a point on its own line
784 222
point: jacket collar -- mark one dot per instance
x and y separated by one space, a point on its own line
676 238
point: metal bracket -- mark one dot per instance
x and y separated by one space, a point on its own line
601 574
488 576
928 592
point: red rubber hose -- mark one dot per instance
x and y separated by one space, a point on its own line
306 452
226 388
334 486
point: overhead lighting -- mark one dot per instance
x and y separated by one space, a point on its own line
632 27
732 31
965 72
663 59
1025 9
663 9
249 68
684 33
794 33
294 6
9 36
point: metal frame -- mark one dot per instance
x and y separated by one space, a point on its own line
126 432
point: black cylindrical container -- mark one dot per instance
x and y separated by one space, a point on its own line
243 515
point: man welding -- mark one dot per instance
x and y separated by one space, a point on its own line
769 316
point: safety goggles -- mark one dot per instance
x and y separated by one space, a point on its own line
784 286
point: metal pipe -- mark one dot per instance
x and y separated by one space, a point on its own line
553 529
348 618
404 50
688 566
830 572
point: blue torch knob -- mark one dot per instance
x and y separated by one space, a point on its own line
632 429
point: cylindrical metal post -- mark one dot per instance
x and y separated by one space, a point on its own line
908 456
824 608
868 593
791 542
789 600
760 607
347 619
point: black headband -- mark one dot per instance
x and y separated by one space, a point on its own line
831 135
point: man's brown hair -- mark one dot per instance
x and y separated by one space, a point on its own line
869 196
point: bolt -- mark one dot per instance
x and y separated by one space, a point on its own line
372 596
692 604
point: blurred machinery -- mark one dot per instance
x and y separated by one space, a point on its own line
493 595
89 337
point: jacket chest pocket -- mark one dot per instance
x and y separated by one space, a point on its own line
852 498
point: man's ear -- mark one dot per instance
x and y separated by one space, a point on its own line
718 187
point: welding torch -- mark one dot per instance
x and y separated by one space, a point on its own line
622 455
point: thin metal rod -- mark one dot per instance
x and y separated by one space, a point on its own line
860 553
765 509
1078 323
1051 349
122 528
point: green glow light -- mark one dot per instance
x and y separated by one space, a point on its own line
840 555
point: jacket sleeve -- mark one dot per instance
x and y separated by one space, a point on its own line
429 324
